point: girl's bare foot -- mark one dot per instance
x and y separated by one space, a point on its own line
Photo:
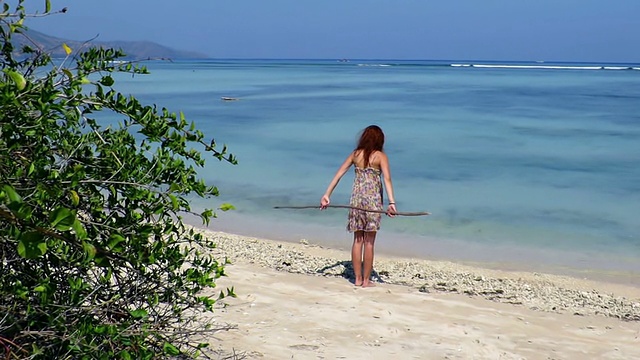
358 282
368 284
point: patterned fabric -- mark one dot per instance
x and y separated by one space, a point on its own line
366 194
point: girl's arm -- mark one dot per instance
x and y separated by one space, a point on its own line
388 185
324 201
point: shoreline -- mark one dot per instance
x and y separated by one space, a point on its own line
586 265
534 290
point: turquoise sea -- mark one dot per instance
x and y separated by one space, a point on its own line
532 166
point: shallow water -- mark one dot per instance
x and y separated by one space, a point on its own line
517 165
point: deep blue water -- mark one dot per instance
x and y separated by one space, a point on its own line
536 165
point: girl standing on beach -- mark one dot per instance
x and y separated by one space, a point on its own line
370 162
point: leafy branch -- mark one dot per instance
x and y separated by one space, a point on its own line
96 262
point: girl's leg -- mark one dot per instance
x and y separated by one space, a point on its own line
356 256
369 242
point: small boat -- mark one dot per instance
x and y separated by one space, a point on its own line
225 98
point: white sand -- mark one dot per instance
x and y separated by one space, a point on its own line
284 315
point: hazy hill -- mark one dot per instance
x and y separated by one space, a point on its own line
133 49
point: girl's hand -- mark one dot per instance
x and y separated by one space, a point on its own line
391 210
324 202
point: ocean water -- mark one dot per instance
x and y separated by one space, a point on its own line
523 165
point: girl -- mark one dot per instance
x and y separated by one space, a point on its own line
370 162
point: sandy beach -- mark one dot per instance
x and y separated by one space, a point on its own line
297 301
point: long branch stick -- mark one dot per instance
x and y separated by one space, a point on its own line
354 207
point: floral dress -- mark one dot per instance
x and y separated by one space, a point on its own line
366 194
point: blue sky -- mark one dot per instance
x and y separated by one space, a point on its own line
560 30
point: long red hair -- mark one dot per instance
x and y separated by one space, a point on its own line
372 139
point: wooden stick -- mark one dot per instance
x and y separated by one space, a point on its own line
354 207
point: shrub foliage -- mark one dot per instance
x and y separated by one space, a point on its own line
95 261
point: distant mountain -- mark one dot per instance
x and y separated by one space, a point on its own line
136 50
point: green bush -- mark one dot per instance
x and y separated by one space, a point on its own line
95 261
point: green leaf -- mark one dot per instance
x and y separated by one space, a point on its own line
31 245
62 219
114 240
17 78
89 249
102 261
79 229
226 207
231 292
139 314
75 199
68 73
174 202
12 194
107 80
169 349
23 211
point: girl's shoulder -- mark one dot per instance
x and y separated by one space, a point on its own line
378 154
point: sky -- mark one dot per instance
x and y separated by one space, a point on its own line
522 30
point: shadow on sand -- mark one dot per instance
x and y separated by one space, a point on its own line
347 271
